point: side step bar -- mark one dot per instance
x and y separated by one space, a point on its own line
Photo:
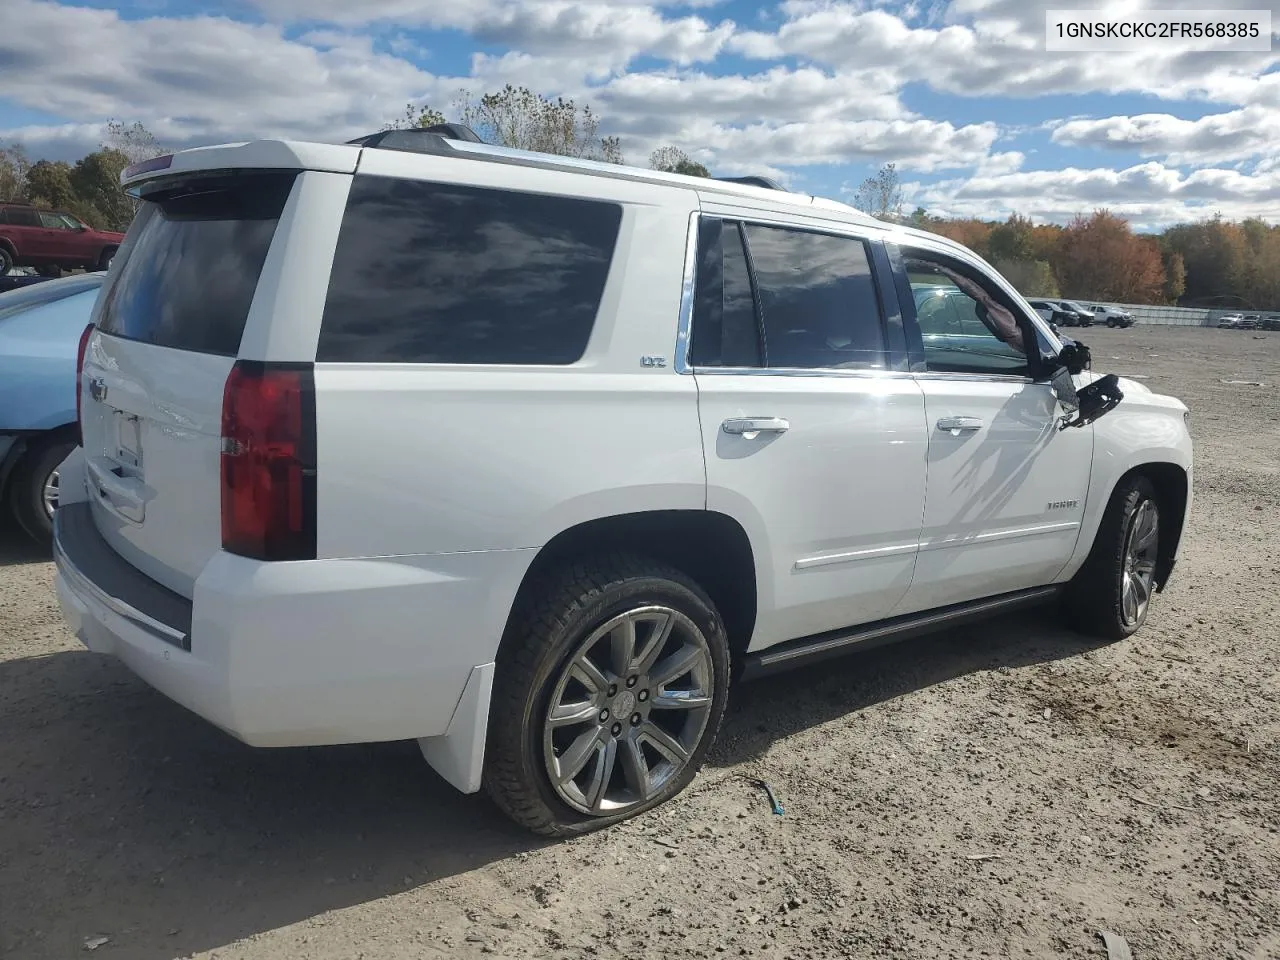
795 653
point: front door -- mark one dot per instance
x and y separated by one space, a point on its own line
1006 488
811 442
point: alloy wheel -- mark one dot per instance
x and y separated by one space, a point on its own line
628 710
49 493
1137 578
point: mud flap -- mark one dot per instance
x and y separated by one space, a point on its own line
458 755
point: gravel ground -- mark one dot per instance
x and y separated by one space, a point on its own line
1007 790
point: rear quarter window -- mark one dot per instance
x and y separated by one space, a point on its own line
440 273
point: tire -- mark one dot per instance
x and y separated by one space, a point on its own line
1110 322
559 632
6 260
27 485
104 261
1123 557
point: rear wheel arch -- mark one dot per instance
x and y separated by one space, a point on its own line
709 547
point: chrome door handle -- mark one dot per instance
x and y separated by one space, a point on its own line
751 427
958 425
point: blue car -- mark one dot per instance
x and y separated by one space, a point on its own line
40 328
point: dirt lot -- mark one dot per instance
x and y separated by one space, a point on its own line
1004 791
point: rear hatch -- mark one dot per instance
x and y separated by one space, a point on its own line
170 321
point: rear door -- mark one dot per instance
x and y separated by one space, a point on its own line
812 439
170 324
23 227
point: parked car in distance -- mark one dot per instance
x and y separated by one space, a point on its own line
1083 315
1270 322
1054 312
1113 316
1249 321
40 326
325 496
1230 321
51 241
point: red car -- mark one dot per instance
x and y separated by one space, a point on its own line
51 241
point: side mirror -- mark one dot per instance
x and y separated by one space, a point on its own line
1093 401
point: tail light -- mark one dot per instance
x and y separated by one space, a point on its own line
84 344
269 461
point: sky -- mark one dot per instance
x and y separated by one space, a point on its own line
962 96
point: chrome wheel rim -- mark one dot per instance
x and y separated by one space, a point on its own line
628 710
49 494
1137 579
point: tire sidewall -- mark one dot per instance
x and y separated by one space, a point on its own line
26 487
1137 491
616 598
6 261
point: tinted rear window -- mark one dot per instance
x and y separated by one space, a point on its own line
191 262
439 273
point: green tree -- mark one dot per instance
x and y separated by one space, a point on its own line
1012 240
1032 278
96 182
49 184
881 195
416 117
675 160
1215 255
519 118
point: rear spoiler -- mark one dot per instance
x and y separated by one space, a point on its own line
253 154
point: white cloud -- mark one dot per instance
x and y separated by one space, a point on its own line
995 47
202 78
1214 138
1151 195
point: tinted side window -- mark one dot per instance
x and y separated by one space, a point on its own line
21 217
439 273
817 297
725 326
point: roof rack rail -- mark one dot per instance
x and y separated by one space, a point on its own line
754 181
430 139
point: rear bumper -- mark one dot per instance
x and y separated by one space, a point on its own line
296 654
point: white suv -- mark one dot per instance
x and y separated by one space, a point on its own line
524 457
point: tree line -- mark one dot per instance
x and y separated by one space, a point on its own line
1212 262
1209 263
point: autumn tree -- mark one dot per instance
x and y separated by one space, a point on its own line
416 117
1175 275
1101 259
675 160
133 140
881 194
971 232
13 172
517 117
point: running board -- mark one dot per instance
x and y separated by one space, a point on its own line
795 653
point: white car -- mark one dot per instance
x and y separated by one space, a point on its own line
1230 321
525 457
1113 316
